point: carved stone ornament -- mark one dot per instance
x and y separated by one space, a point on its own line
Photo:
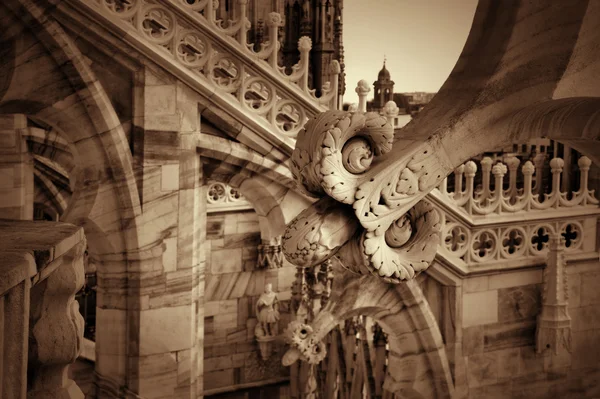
333 155
267 313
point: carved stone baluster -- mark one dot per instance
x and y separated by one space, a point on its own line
304 46
513 165
244 23
56 328
458 182
274 21
334 74
499 170
390 111
362 89
470 171
443 187
586 194
528 170
486 167
556 167
211 11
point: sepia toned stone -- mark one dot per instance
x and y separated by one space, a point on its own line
518 303
118 117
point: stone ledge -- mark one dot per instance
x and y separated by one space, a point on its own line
28 246
47 240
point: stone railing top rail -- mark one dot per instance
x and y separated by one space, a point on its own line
190 38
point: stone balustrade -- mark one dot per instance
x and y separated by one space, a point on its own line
192 39
479 222
41 330
488 199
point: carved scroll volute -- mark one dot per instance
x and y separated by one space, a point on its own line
333 157
318 232
56 328
335 148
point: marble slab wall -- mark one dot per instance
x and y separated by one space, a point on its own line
233 285
496 330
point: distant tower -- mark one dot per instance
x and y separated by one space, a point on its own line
384 89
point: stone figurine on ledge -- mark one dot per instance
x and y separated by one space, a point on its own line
267 312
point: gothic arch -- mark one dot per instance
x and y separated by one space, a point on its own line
66 95
239 156
418 364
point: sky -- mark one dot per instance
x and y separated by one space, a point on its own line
421 40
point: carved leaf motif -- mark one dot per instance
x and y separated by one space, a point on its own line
385 197
408 184
397 264
318 159
318 232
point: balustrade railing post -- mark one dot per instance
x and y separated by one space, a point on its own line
513 165
556 167
274 21
56 328
245 23
362 89
304 46
584 164
528 170
470 171
458 182
334 70
444 186
211 11
499 171
486 168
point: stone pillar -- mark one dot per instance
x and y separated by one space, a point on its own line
41 270
16 269
554 323
16 169
155 348
56 329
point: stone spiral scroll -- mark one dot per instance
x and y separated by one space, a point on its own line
333 157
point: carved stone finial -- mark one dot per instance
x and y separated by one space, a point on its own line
528 168
556 165
470 168
363 87
274 19
584 163
390 109
335 68
304 44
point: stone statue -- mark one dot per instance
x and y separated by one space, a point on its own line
267 312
